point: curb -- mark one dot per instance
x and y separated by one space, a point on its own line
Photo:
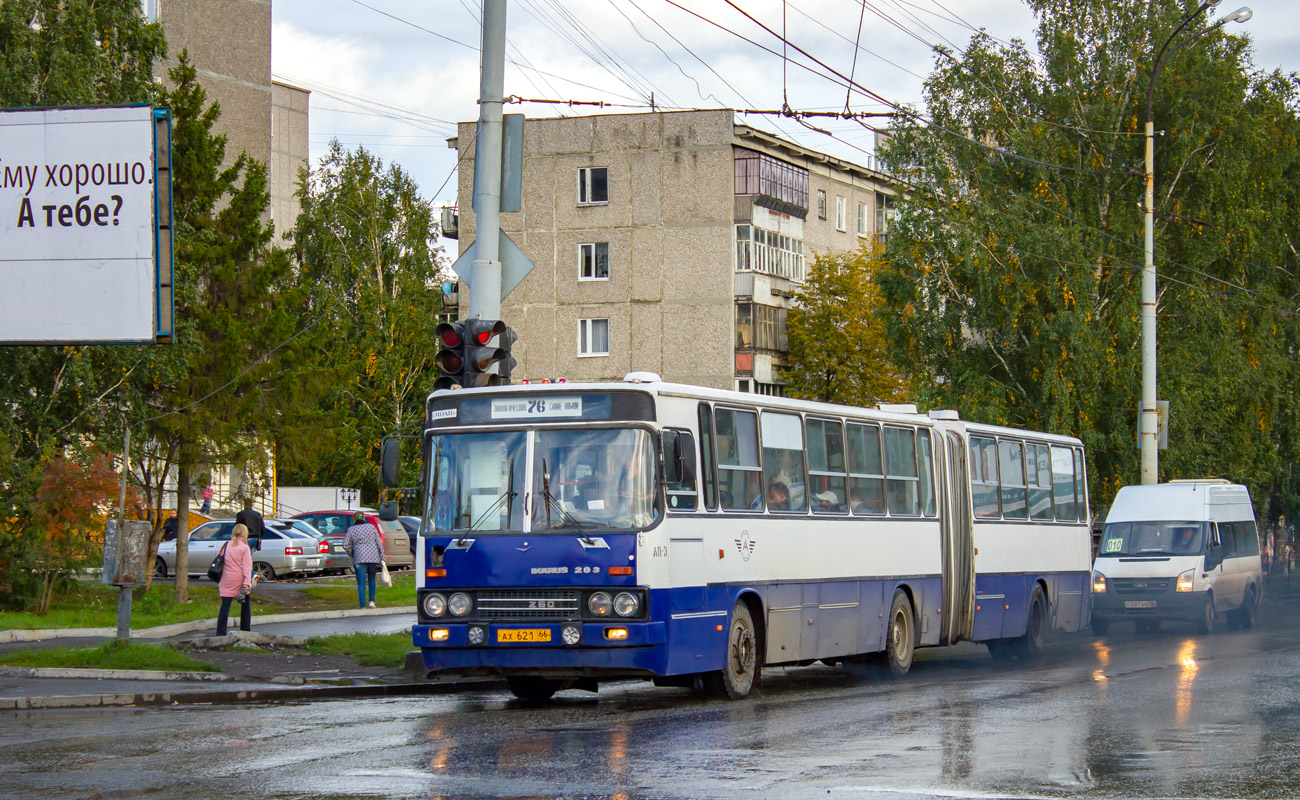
165 631
242 696
111 674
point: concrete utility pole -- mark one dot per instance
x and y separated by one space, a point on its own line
485 283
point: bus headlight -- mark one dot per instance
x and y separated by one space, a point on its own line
435 605
626 604
1098 583
1185 581
599 604
459 604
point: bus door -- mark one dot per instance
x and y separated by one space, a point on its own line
958 546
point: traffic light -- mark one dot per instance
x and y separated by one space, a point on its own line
507 362
451 356
479 354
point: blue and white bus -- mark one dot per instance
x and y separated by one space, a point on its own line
575 533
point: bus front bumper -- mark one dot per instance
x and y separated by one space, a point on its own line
558 649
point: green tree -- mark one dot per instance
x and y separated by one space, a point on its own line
227 386
838 349
1013 278
61 52
366 242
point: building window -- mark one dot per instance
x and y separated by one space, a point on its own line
760 327
841 214
821 204
593 337
593 261
862 219
758 387
593 185
884 215
763 175
760 250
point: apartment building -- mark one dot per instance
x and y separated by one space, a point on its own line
229 44
669 242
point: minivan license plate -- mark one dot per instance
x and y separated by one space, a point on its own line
1139 604
529 635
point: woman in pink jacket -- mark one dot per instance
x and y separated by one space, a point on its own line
236 580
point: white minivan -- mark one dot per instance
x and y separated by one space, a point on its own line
1184 550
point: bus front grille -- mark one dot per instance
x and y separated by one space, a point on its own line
522 604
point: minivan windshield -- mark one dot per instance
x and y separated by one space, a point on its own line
1162 538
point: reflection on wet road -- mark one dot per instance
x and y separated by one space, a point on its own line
1171 715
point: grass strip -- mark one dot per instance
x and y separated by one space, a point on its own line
110 655
402 593
368 649
87 604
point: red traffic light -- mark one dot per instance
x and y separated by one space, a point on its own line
449 334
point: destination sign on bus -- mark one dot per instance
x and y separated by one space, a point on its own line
537 407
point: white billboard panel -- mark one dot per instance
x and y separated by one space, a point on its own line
78 222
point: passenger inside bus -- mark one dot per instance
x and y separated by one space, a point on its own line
778 496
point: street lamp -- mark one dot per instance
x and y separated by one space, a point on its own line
1149 415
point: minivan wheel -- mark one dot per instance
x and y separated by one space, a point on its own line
1205 625
1246 616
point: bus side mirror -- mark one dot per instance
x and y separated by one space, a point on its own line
388 462
388 510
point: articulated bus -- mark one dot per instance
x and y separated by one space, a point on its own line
574 533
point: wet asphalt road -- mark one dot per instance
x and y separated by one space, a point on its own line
1174 715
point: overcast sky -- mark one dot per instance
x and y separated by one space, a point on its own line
396 75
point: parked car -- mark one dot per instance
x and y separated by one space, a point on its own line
283 550
334 558
412 525
336 522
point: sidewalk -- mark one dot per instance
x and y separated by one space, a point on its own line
279 672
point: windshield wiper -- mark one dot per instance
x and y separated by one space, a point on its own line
567 520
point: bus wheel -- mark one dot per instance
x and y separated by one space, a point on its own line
1205 625
740 670
1030 646
532 689
900 637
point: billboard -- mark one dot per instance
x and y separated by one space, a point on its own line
85 225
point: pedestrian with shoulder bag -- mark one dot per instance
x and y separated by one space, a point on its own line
236 579
366 546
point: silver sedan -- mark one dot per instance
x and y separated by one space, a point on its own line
285 549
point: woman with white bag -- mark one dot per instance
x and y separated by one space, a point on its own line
366 546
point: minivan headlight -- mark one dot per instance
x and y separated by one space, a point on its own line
435 605
1098 583
1185 580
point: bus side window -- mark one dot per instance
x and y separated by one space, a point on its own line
1063 484
826 481
1080 496
900 472
708 477
740 485
679 469
783 462
926 464
1012 465
866 472
1038 470
984 477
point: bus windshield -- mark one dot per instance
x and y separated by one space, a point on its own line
593 479
478 482
579 480
1164 538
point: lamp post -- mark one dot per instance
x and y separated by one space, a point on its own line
1149 416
